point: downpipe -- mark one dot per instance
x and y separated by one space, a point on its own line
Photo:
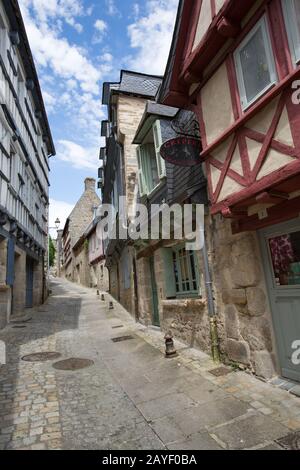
210 302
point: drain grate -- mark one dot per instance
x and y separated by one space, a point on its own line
220 371
41 356
290 442
117 326
19 326
122 338
73 363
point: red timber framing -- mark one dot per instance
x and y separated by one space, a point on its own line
252 184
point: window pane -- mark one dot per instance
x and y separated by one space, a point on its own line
285 253
297 14
255 68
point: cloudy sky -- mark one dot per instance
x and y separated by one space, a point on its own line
78 44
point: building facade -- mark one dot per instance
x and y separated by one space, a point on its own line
125 102
81 216
171 285
25 146
236 65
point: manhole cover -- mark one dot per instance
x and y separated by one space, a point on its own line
73 363
41 356
220 371
117 326
290 442
122 338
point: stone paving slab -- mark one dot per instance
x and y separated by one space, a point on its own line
131 397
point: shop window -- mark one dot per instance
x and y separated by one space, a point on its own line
285 255
255 64
151 167
291 9
181 272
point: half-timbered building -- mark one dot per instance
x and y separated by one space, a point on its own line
236 65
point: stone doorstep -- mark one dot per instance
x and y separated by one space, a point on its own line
284 384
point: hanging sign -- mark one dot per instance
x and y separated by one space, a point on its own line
182 151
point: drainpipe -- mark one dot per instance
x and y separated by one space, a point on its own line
210 303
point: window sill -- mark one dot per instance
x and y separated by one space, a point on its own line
157 188
186 302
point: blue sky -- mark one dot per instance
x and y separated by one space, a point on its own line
78 44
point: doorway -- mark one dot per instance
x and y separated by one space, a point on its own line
281 256
29 282
155 310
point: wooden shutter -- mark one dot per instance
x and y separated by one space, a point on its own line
169 276
161 167
141 178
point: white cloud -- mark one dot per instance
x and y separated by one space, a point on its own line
152 33
112 8
77 156
100 25
60 209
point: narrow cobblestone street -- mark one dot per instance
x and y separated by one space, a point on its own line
131 397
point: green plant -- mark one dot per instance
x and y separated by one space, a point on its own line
51 252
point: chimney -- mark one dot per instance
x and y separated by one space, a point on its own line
89 184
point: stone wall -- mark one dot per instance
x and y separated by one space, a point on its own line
81 269
99 276
242 300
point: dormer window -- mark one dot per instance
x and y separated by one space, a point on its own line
255 64
291 9
151 167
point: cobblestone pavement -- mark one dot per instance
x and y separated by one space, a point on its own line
132 397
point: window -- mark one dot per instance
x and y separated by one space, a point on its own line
255 64
181 272
285 254
151 167
291 9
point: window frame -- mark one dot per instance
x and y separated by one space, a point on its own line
144 171
293 33
181 293
263 24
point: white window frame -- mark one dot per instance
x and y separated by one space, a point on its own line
161 166
270 58
293 33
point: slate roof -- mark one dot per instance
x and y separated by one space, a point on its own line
133 83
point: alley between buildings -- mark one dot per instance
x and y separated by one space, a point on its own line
131 396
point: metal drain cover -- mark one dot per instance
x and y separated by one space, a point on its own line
73 363
117 326
122 338
41 356
290 442
220 371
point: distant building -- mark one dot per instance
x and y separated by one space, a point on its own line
25 146
77 222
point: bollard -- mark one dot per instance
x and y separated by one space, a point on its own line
111 305
170 348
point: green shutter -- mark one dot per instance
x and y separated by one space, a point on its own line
167 257
140 172
157 144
